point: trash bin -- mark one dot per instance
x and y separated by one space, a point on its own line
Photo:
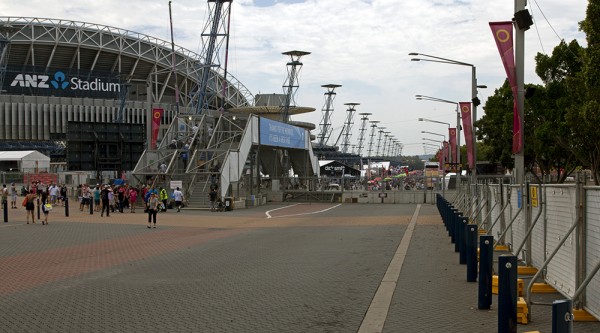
228 203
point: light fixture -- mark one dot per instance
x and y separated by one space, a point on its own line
523 19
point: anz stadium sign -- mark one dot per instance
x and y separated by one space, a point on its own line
62 84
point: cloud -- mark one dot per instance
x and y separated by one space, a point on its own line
362 45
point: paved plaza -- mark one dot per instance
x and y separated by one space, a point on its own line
278 268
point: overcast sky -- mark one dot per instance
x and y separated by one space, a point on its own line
362 45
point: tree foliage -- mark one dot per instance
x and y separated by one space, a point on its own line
562 117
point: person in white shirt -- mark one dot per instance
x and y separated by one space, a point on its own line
178 197
13 195
54 190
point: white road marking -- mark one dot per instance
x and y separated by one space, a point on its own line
380 305
299 214
272 210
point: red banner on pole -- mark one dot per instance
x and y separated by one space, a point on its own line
503 35
465 111
156 117
452 141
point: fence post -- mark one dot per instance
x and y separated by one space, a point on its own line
486 261
5 207
562 316
462 240
471 252
507 294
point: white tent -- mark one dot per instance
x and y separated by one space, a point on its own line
24 161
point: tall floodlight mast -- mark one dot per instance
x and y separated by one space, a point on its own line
214 34
347 133
6 32
290 87
327 111
364 117
381 130
389 145
174 62
372 136
386 135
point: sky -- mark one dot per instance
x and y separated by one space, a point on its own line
362 45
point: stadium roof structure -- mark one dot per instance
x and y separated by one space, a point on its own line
139 60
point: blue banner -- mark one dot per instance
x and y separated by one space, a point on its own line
277 134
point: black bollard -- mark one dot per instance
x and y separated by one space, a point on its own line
38 209
451 224
91 206
507 294
471 248
486 262
462 240
455 224
66 206
562 316
457 219
5 207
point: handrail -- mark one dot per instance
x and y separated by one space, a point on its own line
484 203
585 282
508 226
498 218
488 214
530 230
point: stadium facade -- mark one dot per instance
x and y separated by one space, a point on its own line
61 71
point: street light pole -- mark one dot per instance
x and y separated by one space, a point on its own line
442 135
434 121
458 126
474 99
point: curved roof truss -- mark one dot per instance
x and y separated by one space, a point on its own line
139 58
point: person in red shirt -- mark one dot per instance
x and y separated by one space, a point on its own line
132 199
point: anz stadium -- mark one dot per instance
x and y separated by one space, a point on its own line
112 101
53 72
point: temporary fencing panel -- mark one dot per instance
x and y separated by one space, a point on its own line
592 216
519 227
538 243
561 213
495 216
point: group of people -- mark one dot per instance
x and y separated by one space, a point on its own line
47 195
104 198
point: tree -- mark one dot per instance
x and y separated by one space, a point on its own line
585 113
494 129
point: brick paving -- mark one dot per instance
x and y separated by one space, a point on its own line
236 271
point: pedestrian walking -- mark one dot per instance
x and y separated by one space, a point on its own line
13 195
63 194
96 194
46 207
4 196
111 199
121 197
29 204
213 199
153 203
178 197
164 196
132 199
104 194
